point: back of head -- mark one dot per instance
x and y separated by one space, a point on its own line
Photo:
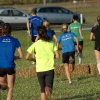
98 19
46 23
75 17
42 33
33 11
6 28
64 27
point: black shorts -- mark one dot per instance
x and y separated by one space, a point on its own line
5 71
33 38
66 57
46 79
80 43
97 48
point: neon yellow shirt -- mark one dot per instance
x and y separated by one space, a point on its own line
44 55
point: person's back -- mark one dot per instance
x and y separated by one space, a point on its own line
8 45
44 55
67 39
74 27
35 21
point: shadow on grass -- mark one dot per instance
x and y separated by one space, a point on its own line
92 96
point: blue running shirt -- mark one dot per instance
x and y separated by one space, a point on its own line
8 45
35 22
50 33
67 40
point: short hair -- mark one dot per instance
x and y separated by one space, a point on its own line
33 11
75 17
6 29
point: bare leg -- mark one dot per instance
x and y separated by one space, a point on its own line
71 67
97 55
66 65
11 80
3 82
43 96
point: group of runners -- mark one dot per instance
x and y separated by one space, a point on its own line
44 50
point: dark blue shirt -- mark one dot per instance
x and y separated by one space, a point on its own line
8 45
35 21
50 33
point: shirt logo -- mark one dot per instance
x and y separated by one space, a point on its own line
6 40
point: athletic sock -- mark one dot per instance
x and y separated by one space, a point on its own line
80 58
98 66
70 82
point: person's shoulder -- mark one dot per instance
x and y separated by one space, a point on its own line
38 17
13 38
79 23
52 30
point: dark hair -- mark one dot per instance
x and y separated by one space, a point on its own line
6 29
42 31
75 17
33 11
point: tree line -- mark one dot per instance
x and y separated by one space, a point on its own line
8 2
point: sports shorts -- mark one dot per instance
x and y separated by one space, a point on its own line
5 71
33 38
80 43
66 57
97 48
46 79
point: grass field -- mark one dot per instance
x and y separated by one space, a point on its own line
83 87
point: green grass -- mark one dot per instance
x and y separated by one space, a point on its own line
83 87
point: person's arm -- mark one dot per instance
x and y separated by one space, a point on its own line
77 44
80 31
37 38
55 37
28 27
20 54
57 55
28 57
92 37
57 45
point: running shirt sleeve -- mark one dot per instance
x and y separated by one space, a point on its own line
31 49
92 30
17 43
53 33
